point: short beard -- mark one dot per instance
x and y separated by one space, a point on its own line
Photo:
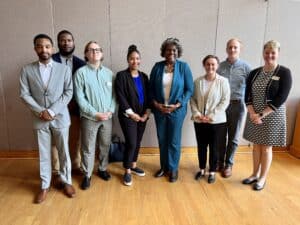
64 53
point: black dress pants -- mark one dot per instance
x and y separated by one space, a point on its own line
211 135
133 133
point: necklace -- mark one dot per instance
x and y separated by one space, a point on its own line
169 68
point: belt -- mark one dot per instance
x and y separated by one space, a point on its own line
234 101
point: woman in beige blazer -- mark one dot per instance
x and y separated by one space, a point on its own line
208 104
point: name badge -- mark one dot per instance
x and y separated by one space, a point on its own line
109 84
275 78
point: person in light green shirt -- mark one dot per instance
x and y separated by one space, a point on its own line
95 96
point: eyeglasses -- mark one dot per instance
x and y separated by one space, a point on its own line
94 50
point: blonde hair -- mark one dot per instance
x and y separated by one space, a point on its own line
272 44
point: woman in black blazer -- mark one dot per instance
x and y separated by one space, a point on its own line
267 90
131 86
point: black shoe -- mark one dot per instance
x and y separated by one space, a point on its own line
138 171
127 179
249 180
258 187
199 175
159 173
86 182
104 175
173 176
211 178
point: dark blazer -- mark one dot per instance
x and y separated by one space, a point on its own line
277 89
127 94
77 63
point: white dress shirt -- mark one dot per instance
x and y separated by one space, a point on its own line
45 71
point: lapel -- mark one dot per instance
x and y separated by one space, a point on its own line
52 76
131 82
175 78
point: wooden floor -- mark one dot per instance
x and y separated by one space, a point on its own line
155 201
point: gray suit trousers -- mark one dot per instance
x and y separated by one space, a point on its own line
92 132
60 137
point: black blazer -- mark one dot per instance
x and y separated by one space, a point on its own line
127 94
77 63
277 89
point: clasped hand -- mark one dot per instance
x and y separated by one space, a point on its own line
45 115
103 116
255 118
137 118
203 119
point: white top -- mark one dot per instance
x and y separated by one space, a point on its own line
45 71
167 84
206 87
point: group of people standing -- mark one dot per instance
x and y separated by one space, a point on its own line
217 102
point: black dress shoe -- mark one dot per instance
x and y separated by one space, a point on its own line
249 180
199 175
86 182
258 187
104 175
211 178
159 173
173 176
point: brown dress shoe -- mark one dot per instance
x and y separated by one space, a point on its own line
57 182
69 190
41 196
227 172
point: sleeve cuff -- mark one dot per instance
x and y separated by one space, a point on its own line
129 111
52 114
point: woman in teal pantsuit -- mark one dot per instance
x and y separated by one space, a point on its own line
171 86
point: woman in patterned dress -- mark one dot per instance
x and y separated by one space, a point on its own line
266 92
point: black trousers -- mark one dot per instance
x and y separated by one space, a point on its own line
133 133
211 135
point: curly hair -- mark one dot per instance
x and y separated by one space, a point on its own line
171 41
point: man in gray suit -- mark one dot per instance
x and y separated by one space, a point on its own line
46 88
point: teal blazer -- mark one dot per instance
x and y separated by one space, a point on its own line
182 86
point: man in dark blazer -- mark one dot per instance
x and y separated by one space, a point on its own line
66 46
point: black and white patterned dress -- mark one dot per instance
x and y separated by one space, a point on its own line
273 129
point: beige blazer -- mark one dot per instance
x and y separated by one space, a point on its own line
217 100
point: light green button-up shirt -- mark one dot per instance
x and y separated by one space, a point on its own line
94 91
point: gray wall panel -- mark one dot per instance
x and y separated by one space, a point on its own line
3 122
140 23
245 20
20 23
194 23
87 21
283 28
202 26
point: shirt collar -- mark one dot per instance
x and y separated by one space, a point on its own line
91 66
236 62
49 64
68 58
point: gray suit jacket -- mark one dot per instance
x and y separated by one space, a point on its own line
54 97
